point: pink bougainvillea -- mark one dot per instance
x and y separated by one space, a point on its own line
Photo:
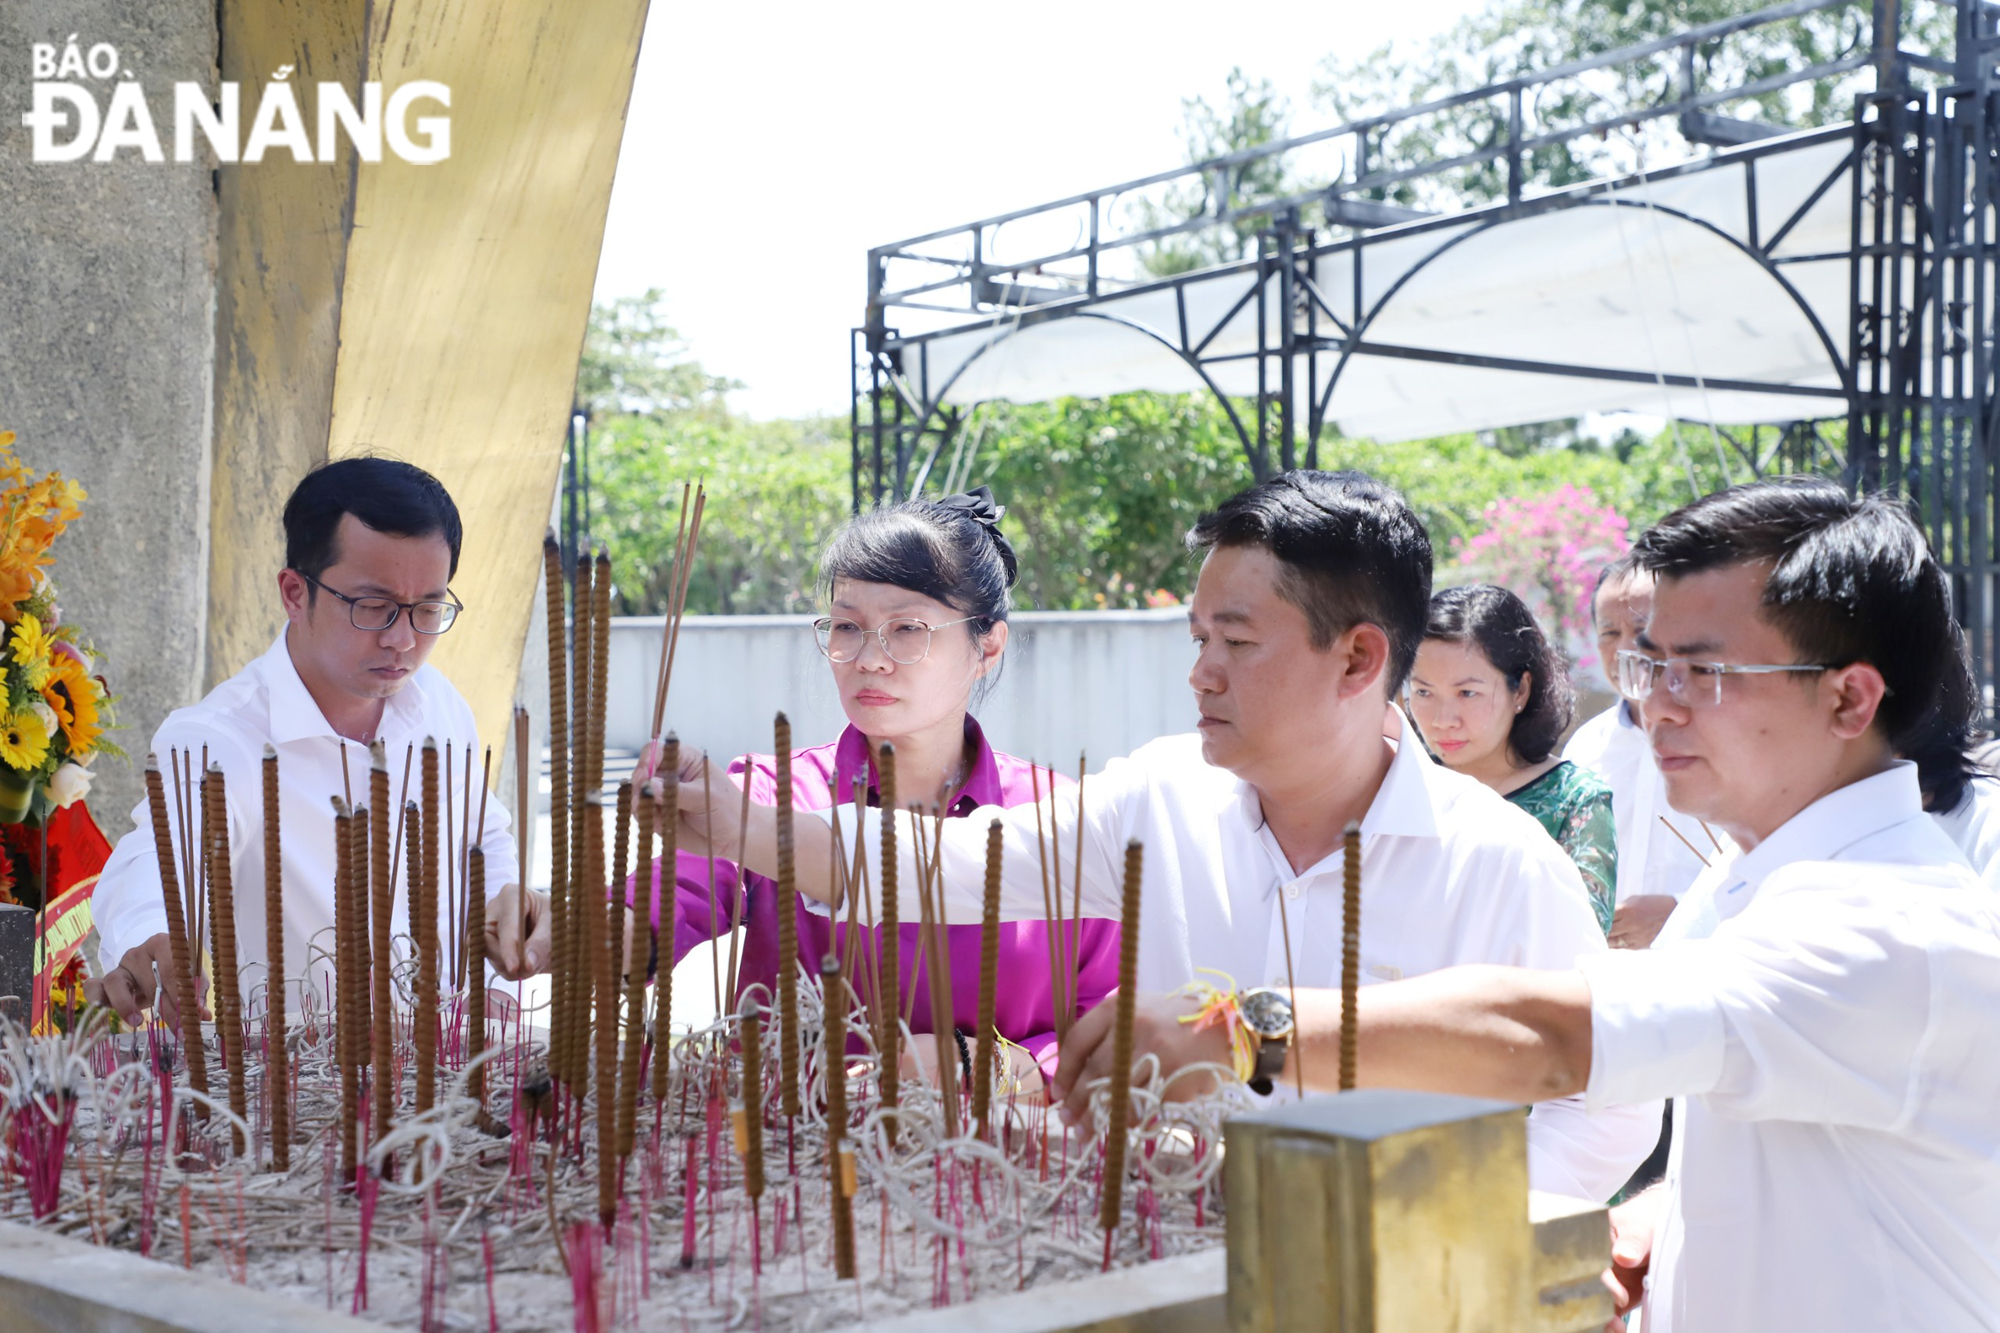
1547 549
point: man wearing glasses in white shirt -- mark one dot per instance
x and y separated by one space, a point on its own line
1313 595
1821 1004
371 545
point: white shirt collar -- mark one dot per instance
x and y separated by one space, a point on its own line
1405 805
1835 822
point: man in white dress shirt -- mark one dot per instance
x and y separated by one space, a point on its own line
1659 852
1821 1004
371 545
1312 600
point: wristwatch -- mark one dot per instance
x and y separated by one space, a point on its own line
1267 1014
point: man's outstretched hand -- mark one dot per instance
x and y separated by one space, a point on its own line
514 955
1633 1224
1156 1030
128 988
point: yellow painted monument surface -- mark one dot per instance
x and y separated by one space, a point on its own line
433 312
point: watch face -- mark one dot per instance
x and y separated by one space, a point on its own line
1267 1013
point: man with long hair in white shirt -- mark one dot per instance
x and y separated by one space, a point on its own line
371 545
1820 1004
1312 600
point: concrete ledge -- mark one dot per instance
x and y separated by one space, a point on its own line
50 1284
1179 1295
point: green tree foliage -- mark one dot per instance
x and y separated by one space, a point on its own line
634 362
1510 38
1251 114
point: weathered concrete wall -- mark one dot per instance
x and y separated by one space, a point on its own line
1102 682
107 324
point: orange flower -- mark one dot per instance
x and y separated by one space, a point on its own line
73 696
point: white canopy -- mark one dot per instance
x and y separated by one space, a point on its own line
1651 277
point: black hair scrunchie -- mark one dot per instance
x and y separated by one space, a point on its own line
979 506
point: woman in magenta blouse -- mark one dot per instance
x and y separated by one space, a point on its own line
917 598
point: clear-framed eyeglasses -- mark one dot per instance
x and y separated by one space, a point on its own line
906 640
1690 683
374 614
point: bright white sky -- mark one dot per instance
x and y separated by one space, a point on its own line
769 145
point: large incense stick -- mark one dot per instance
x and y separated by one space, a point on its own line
572 981
357 881
346 979
660 894
277 1057
1350 954
601 911
890 1043
559 726
424 930
228 993
1121 1047
648 800
621 866
788 927
589 908
381 887
177 937
989 962
524 820
475 973
839 1156
750 1034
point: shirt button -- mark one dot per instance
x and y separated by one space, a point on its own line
1292 889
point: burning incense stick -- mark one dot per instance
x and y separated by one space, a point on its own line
890 1043
662 907
228 993
177 938
1071 982
943 1024
742 893
600 914
276 1078
1684 840
357 888
840 1158
1350 956
1121 1049
788 927
381 886
635 971
989 963
1051 905
677 605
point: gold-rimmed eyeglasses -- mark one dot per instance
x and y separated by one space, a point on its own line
906 639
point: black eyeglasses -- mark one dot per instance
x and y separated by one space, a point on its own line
374 614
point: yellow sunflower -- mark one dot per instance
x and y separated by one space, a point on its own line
24 742
32 645
73 695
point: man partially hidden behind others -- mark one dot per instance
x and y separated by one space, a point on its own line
371 545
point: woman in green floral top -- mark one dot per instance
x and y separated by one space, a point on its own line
1492 699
